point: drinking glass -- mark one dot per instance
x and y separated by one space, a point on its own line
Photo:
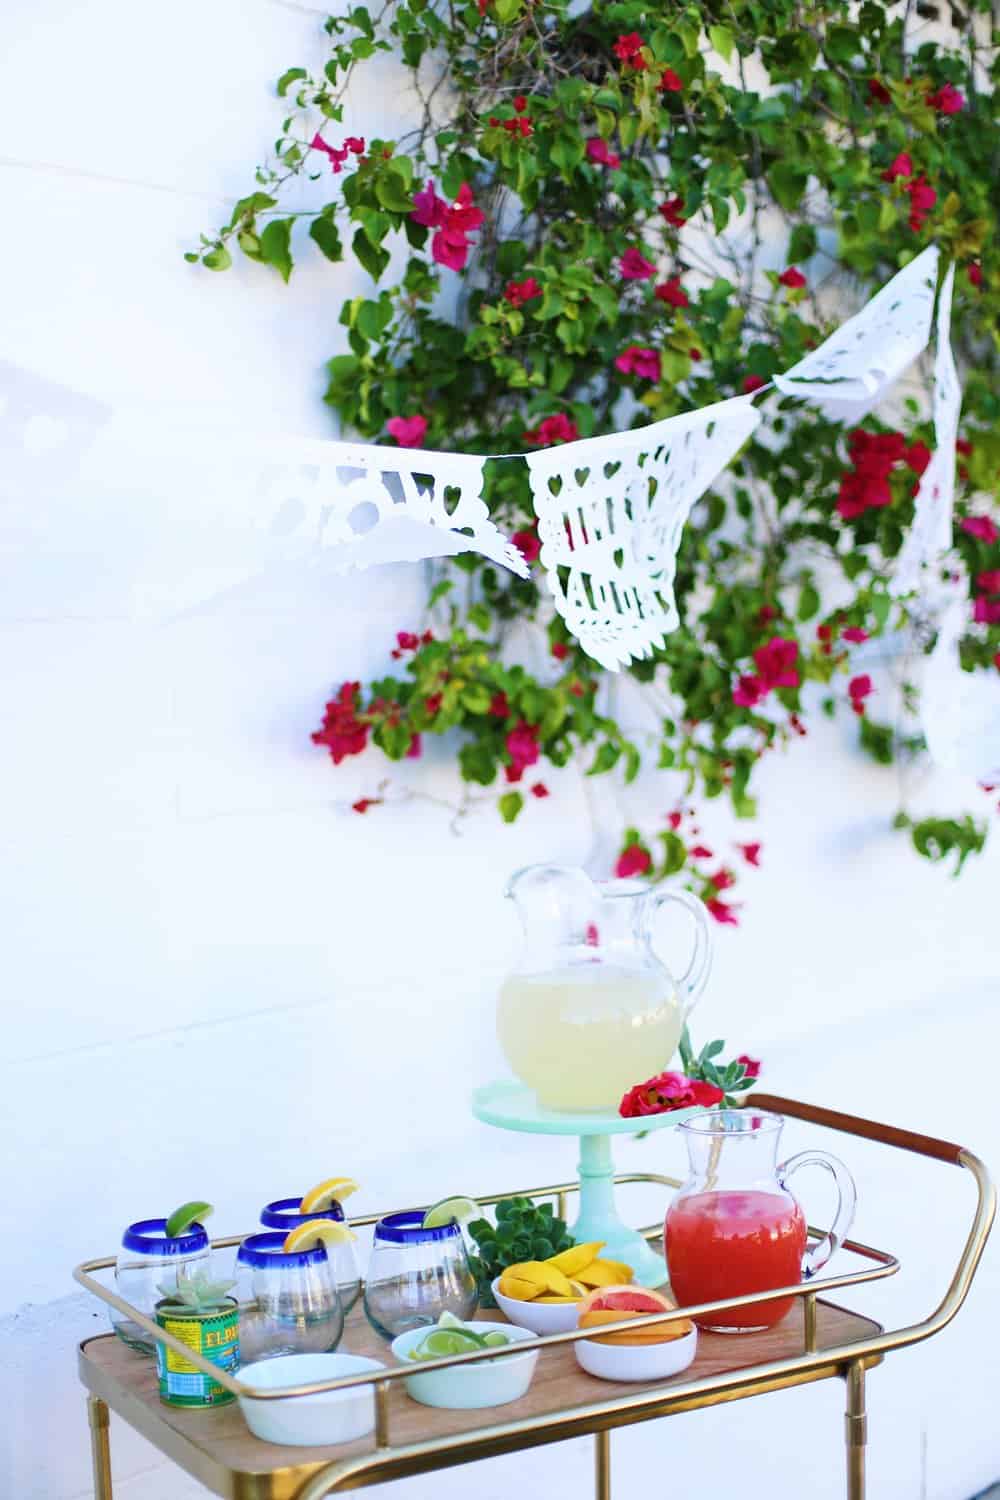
284 1214
288 1301
148 1267
415 1274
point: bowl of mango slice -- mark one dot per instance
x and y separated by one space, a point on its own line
545 1295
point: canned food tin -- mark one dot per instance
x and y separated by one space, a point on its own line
215 1336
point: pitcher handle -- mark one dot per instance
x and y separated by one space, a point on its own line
695 976
817 1257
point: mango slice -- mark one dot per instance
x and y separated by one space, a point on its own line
575 1258
605 1273
518 1287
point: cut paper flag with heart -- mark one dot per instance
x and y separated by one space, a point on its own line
45 428
611 511
852 369
931 533
960 711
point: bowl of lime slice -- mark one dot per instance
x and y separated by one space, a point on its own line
485 1382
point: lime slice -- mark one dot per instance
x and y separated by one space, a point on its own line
496 1340
450 1341
182 1218
448 1320
451 1211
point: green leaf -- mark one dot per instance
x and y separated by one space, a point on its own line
324 232
476 698
809 602
218 259
510 805
722 40
607 756
788 183
290 76
275 246
372 257
507 10
674 852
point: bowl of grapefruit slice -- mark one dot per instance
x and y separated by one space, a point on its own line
643 1351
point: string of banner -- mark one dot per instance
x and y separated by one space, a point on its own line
610 510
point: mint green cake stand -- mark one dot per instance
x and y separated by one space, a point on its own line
512 1106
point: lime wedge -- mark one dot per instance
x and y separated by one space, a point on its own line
496 1340
182 1218
448 1320
450 1341
451 1211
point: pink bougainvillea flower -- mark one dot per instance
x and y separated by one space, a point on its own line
981 527
433 704
670 82
751 1065
665 1092
522 747
753 383
855 635
775 662
723 913
428 209
700 851
900 166
528 545
559 650
600 153
988 583
517 293
748 692
628 50
751 853
633 860
355 144
364 803
671 292
675 819
342 733
555 429
986 611
673 212
792 278
947 100
336 156
409 432
859 688
877 92
642 362
539 790
974 271
406 640
963 446
922 200
635 267
416 748
453 223
499 707
722 879
521 126
917 457
520 103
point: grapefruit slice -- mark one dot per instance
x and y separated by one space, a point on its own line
615 1304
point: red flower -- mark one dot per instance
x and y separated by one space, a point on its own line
981 527
635 267
416 747
453 224
665 1092
722 879
989 583
753 383
922 200
900 166
859 688
560 650
669 82
599 152
672 292
527 543
409 432
855 634
539 789
792 278
675 819
337 157
700 851
751 853
673 212
433 703
723 913
355 143
428 209
748 692
577 689
521 126
406 640
751 1065
520 103
775 662
499 707
633 860
642 362
342 733
917 457
522 747
517 293
947 100
986 611
974 271
628 50
364 803
555 429
963 446
877 92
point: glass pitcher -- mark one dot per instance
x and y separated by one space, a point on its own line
734 1227
590 1009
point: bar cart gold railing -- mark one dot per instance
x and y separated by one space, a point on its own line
817 1341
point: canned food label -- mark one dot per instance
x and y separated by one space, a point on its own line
216 1338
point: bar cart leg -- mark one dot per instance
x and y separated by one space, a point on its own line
602 1466
856 1431
100 1446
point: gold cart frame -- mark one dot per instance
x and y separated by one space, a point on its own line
386 1459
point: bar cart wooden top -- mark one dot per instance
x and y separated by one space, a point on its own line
819 1339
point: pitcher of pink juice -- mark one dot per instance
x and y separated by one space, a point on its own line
735 1228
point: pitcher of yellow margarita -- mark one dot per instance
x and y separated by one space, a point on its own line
590 1009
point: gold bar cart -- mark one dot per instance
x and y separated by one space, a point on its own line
818 1340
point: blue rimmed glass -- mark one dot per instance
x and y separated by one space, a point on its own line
284 1214
416 1274
288 1301
149 1265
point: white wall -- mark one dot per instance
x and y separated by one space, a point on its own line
222 981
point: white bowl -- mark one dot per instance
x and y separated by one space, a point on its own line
309 1421
636 1361
470 1387
540 1317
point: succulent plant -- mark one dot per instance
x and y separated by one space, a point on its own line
523 1231
196 1293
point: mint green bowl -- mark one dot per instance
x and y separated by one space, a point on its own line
474 1386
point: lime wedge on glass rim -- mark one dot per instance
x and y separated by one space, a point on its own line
182 1218
451 1211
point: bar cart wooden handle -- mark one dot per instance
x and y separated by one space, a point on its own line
817 1341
